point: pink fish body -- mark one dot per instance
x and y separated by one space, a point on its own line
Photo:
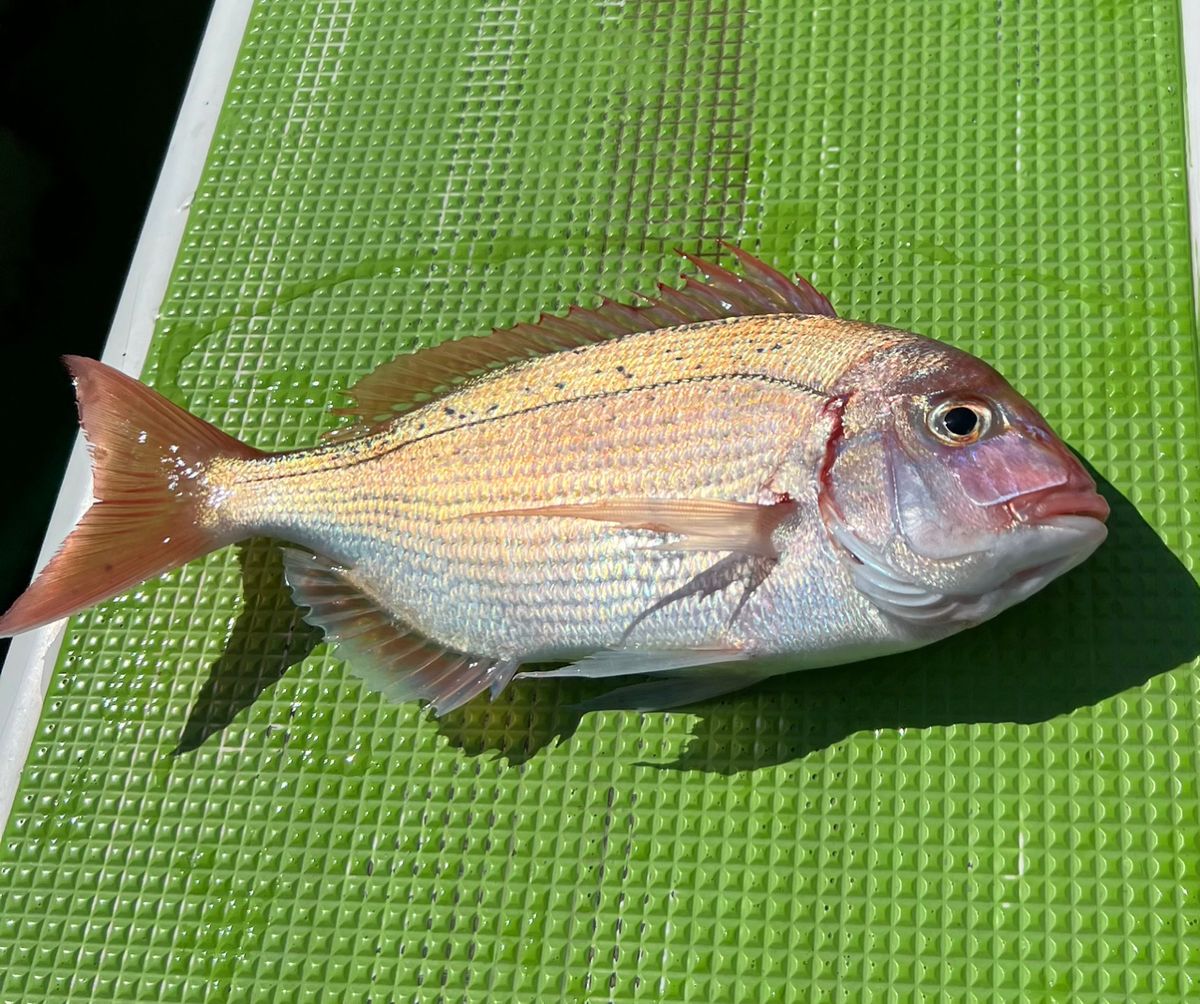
729 483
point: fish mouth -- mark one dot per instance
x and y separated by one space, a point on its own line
1026 560
1059 503
1079 535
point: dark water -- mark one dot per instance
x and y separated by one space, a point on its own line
88 95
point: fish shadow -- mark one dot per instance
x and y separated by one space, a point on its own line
268 638
1127 614
521 721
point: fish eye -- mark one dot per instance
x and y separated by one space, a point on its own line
959 423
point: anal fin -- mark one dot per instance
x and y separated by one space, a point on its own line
387 654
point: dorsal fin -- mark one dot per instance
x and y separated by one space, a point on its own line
412 379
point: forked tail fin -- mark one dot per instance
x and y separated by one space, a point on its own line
151 495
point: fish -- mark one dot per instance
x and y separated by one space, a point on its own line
720 483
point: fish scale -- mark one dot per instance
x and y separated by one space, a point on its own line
694 412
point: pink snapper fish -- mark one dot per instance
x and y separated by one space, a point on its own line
725 483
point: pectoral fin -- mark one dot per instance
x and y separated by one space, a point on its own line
389 656
635 661
750 570
672 690
701 524
682 676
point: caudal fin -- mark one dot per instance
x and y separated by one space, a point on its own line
150 489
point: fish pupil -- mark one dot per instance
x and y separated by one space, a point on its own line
960 421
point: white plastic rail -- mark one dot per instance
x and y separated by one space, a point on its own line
31 657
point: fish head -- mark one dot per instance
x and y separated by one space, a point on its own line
949 492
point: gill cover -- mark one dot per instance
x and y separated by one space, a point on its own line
944 534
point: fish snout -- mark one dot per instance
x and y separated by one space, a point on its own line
1065 488
1077 497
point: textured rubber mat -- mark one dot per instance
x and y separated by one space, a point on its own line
214 809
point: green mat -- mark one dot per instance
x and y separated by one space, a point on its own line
214 809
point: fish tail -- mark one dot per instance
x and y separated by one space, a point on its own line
152 509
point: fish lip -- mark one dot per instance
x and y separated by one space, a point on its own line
1089 531
1079 522
1064 501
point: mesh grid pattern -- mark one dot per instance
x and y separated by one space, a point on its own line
213 809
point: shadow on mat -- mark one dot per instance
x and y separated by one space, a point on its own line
268 638
1129 613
